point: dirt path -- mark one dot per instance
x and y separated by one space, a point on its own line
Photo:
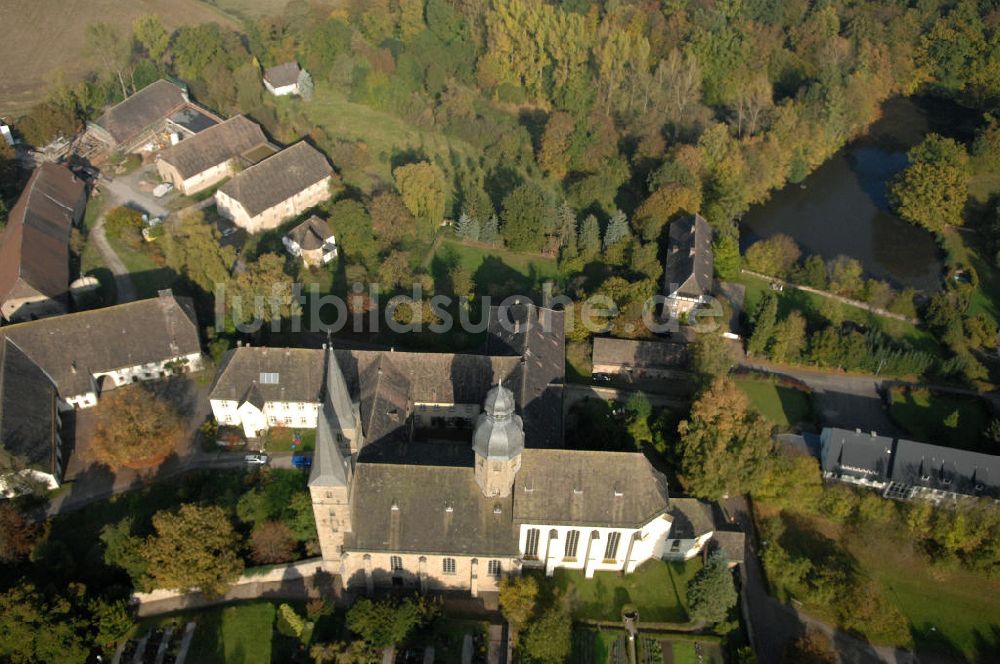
124 287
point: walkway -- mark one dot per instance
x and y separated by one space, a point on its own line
124 288
878 311
300 581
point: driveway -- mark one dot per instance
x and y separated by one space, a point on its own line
130 191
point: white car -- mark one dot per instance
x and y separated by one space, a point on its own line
162 190
257 459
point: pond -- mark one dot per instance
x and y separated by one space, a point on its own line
842 207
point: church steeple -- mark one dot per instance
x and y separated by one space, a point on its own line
498 440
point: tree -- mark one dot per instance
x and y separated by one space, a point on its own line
262 290
194 548
931 191
789 338
193 248
518 596
35 628
763 325
467 228
152 35
355 234
523 218
845 276
383 623
288 622
422 186
112 621
724 444
272 542
123 549
548 640
553 155
490 233
111 49
17 534
774 256
461 281
123 222
136 428
711 593
617 229
710 356
813 647
590 237
390 220
305 84
394 270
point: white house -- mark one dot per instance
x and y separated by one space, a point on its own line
313 241
276 189
282 79
258 388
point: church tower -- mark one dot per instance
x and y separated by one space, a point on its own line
498 441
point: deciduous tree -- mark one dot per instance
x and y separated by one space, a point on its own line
136 428
272 542
932 190
422 186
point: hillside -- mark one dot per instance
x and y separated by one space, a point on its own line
44 37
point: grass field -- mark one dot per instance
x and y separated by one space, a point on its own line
495 271
962 249
785 406
45 37
236 635
386 135
922 414
811 306
658 588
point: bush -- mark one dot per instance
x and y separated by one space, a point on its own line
123 223
775 256
272 542
290 623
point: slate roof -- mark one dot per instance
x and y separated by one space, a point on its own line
537 335
311 234
281 75
422 522
582 487
689 264
946 469
28 418
129 118
34 247
215 145
277 178
640 354
690 518
733 543
300 374
855 453
72 347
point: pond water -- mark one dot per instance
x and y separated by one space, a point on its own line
842 208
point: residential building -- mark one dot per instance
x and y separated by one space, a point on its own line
34 246
443 471
905 469
257 388
89 352
212 155
687 274
276 189
856 457
936 473
639 359
283 79
313 241
153 117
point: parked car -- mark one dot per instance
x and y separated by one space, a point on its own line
602 378
161 190
229 231
256 459
303 461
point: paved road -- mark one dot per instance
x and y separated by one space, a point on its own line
774 623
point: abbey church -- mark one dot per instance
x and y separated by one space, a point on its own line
437 471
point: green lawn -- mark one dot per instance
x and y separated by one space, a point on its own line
684 652
147 277
923 413
239 634
496 271
279 439
386 135
785 406
658 588
962 248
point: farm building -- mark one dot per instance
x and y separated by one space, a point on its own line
313 241
150 118
280 187
639 359
212 155
34 247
